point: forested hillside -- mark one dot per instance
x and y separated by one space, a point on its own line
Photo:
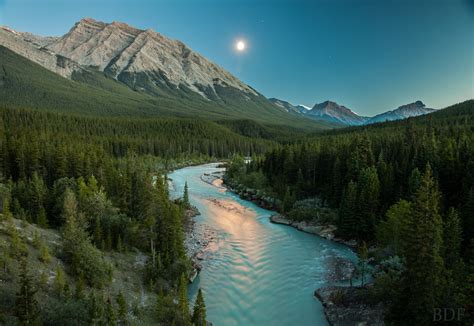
406 188
87 232
24 84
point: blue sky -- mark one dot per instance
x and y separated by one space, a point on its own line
371 55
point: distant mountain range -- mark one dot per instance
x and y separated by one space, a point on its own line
332 112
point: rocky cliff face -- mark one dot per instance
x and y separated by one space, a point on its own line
32 48
143 59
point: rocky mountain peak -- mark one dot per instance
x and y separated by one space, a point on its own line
143 59
331 111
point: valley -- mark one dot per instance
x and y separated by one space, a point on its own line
142 183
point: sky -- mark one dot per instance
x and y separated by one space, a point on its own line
369 55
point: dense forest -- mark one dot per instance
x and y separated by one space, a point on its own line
84 201
405 188
85 209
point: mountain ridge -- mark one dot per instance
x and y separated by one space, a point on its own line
331 111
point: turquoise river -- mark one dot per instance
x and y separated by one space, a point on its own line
255 272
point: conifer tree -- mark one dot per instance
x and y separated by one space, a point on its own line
362 265
80 285
6 209
183 297
367 202
96 311
453 264
122 308
186 202
423 279
110 318
42 218
199 311
59 281
45 257
348 223
97 236
26 305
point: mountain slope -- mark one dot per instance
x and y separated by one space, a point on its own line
333 112
111 73
402 112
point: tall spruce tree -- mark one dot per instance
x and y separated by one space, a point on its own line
183 297
348 223
199 311
186 202
423 280
26 305
367 202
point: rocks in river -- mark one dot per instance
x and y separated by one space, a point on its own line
324 231
348 306
278 219
339 269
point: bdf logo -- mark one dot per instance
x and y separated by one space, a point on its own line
447 314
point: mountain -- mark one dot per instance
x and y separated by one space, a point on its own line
288 107
333 112
116 69
405 111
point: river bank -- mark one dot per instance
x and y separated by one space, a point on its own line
348 306
326 231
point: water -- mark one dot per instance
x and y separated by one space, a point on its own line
259 273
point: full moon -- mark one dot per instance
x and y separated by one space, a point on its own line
240 45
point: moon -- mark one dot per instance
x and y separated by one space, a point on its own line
240 45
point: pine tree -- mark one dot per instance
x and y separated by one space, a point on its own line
97 233
80 285
423 279
6 209
347 222
160 305
110 318
186 202
122 308
362 265
199 311
367 202
108 242
59 281
414 183
468 218
454 265
119 244
96 311
42 218
288 201
26 306
183 297
45 257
